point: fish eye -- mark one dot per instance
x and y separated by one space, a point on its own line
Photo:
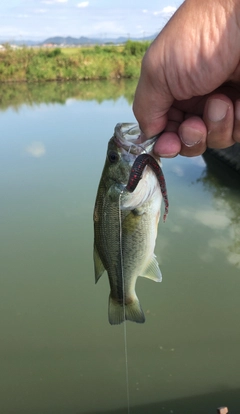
113 156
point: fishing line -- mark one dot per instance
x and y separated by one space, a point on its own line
124 306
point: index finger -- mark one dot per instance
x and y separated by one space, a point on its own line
152 101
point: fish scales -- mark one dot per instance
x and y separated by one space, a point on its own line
125 224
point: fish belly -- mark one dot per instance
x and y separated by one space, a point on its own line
136 258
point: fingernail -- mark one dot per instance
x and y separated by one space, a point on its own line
217 110
190 136
237 110
168 155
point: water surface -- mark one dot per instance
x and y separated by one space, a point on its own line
58 353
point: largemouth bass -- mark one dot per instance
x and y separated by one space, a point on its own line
126 221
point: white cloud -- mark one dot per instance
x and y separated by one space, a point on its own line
178 170
210 218
54 1
207 256
219 223
169 9
225 246
70 101
166 11
83 4
108 27
12 31
175 228
234 259
40 11
199 161
112 21
36 149
213 219
220 243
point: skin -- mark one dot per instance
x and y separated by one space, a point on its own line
190 80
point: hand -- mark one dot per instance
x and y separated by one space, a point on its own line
189 84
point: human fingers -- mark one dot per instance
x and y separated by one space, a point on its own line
185 137
193 135
168 144
218 117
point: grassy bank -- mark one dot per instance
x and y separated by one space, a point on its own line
97 62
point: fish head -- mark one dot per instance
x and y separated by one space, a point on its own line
128 137
123 149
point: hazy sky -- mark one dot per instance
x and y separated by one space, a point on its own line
39 19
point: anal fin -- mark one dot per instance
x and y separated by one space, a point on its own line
98 264
152 271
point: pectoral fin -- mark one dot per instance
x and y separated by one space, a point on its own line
152 271
98 265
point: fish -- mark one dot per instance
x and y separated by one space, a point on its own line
126 216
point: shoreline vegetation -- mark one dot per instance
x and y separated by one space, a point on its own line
71 64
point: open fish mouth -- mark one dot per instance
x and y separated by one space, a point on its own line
128 137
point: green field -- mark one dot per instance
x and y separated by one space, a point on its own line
75 63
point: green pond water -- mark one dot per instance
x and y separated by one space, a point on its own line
58 353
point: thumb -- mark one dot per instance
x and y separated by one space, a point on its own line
152 98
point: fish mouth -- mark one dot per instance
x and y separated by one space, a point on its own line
128 137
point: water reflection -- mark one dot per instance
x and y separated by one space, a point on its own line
63 93
58 353
223 183
36 149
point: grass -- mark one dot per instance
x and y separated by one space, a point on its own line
70 51
96 62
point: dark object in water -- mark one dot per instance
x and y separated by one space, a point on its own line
230 156
136 174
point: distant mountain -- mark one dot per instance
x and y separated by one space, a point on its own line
58 40
20 42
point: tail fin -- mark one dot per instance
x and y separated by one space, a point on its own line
132 312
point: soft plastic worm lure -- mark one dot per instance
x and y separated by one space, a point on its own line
136 175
